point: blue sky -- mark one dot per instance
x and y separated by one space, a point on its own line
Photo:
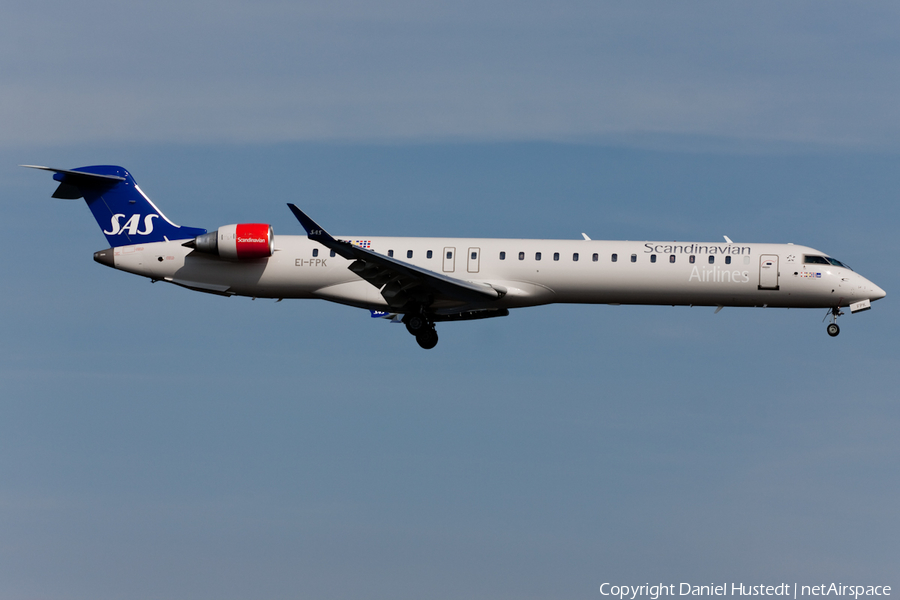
157 443
393 71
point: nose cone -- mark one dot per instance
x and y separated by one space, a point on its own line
877 293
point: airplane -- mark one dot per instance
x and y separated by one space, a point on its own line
423 281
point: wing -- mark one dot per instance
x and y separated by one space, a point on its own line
399 282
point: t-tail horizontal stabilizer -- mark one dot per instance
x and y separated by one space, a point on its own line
123 212
70 189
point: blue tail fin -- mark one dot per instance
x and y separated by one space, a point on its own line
123 212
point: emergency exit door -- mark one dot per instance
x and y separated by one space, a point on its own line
449 260
474 259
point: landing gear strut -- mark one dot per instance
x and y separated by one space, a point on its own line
833 328
419 325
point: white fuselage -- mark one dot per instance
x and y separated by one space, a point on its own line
531 272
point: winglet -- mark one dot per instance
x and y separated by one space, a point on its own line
313 229
315 232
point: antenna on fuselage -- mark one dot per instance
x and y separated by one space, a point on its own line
727 239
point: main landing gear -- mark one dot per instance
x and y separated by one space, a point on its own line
422 327
833 328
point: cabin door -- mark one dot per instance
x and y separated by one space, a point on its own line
768 272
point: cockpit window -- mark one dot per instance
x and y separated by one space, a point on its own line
838 263
824 260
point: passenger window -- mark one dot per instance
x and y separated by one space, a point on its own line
671 258
331 254
521 256
727 260
653 258
634 258
712 259
409 254
429 254
692 259
556 256
315 252
596 257
575 257
746 260
391 253
537 256
615 257
503 256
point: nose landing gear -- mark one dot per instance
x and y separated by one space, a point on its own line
833 329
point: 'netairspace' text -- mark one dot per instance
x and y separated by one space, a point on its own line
740 589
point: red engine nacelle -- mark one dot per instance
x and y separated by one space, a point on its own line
244 240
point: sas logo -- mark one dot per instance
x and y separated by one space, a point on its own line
131 226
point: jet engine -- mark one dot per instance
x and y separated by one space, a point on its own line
241 241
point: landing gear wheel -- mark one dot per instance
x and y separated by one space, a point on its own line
833 328
428 339
416 324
